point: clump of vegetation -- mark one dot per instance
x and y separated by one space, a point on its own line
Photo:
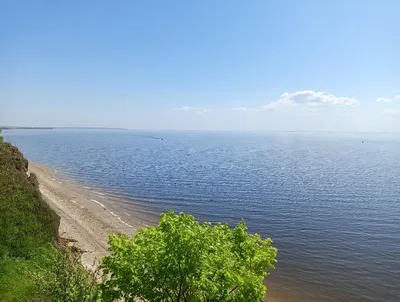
26 220
66 280
183 260
16 280
50 274
32 266
28 228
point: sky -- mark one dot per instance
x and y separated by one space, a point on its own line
201 65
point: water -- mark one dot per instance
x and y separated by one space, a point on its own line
330 202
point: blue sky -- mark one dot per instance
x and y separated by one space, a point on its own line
212 65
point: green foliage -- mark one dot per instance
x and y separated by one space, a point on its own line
66 280
16 283
26 221
50 274
183 260
27 228
18 275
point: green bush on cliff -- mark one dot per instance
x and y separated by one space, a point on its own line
183 260
26 221
66 280
18 280
51 274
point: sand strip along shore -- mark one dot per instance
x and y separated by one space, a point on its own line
87 216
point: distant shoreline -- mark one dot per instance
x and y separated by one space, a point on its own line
26 128
58 128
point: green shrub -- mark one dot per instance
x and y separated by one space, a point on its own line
66 280
50 274
18 280
183 260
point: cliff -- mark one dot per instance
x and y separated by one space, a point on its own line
26 220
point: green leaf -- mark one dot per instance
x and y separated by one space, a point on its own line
183 260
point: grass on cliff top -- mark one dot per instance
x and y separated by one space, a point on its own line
32 267
26 221
28 227
18 280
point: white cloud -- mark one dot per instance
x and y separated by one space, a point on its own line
185 108
397 97
274 105
383 100
202 111
392 111
239 109
193 109
309 98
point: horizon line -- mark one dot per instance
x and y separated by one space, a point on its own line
182 130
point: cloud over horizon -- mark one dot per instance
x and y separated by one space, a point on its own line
239 109
384 100
392 111
309 98
193 109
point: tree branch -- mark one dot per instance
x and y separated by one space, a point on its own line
180 281
232 290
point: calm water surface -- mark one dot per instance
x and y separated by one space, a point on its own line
330 202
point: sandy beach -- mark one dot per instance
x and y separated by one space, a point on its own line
88 216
